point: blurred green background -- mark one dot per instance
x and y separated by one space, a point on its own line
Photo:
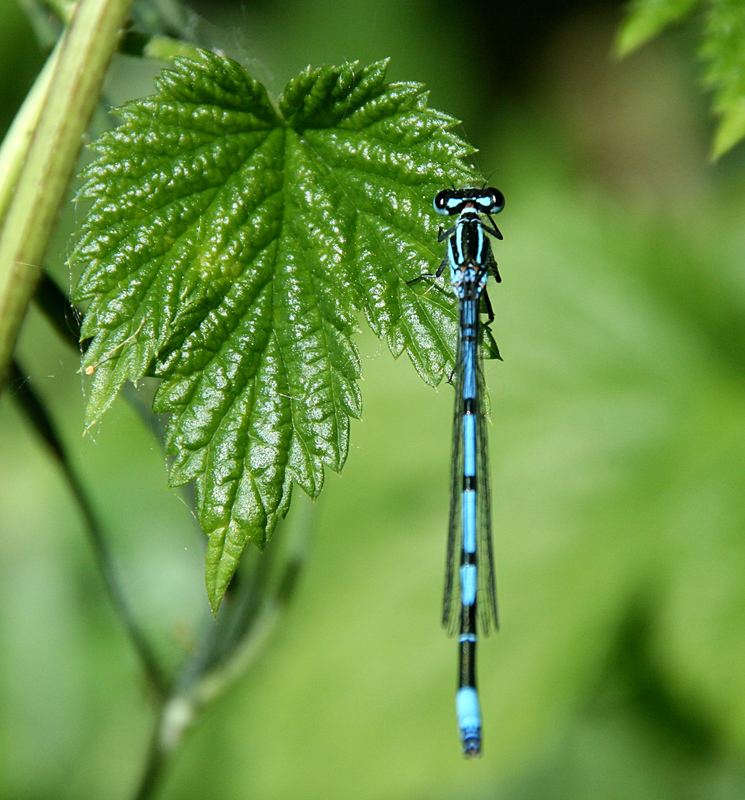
617 443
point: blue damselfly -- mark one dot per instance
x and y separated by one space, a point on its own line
470 599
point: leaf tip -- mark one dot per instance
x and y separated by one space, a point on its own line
730 131
219 568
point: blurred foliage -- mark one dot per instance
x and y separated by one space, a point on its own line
617 440
722 34
647 18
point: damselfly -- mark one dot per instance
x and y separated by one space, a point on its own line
470 599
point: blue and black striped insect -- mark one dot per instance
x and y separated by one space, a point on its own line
470 598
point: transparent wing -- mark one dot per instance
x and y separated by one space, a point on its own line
451 594
487 595
487 591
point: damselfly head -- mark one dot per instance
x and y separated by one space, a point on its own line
453 201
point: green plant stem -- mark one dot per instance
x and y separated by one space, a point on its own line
177 714
227 647
74 86
157 46
35 411
155 760
17 141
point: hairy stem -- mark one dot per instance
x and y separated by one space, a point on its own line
74 86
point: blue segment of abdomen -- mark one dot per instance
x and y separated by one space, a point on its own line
469 445
468 712
469 521
468 583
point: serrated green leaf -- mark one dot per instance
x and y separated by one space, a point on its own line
730 131
723 32
722 49
645 19
228 251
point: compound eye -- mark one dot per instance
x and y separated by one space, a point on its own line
441 202
496 199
